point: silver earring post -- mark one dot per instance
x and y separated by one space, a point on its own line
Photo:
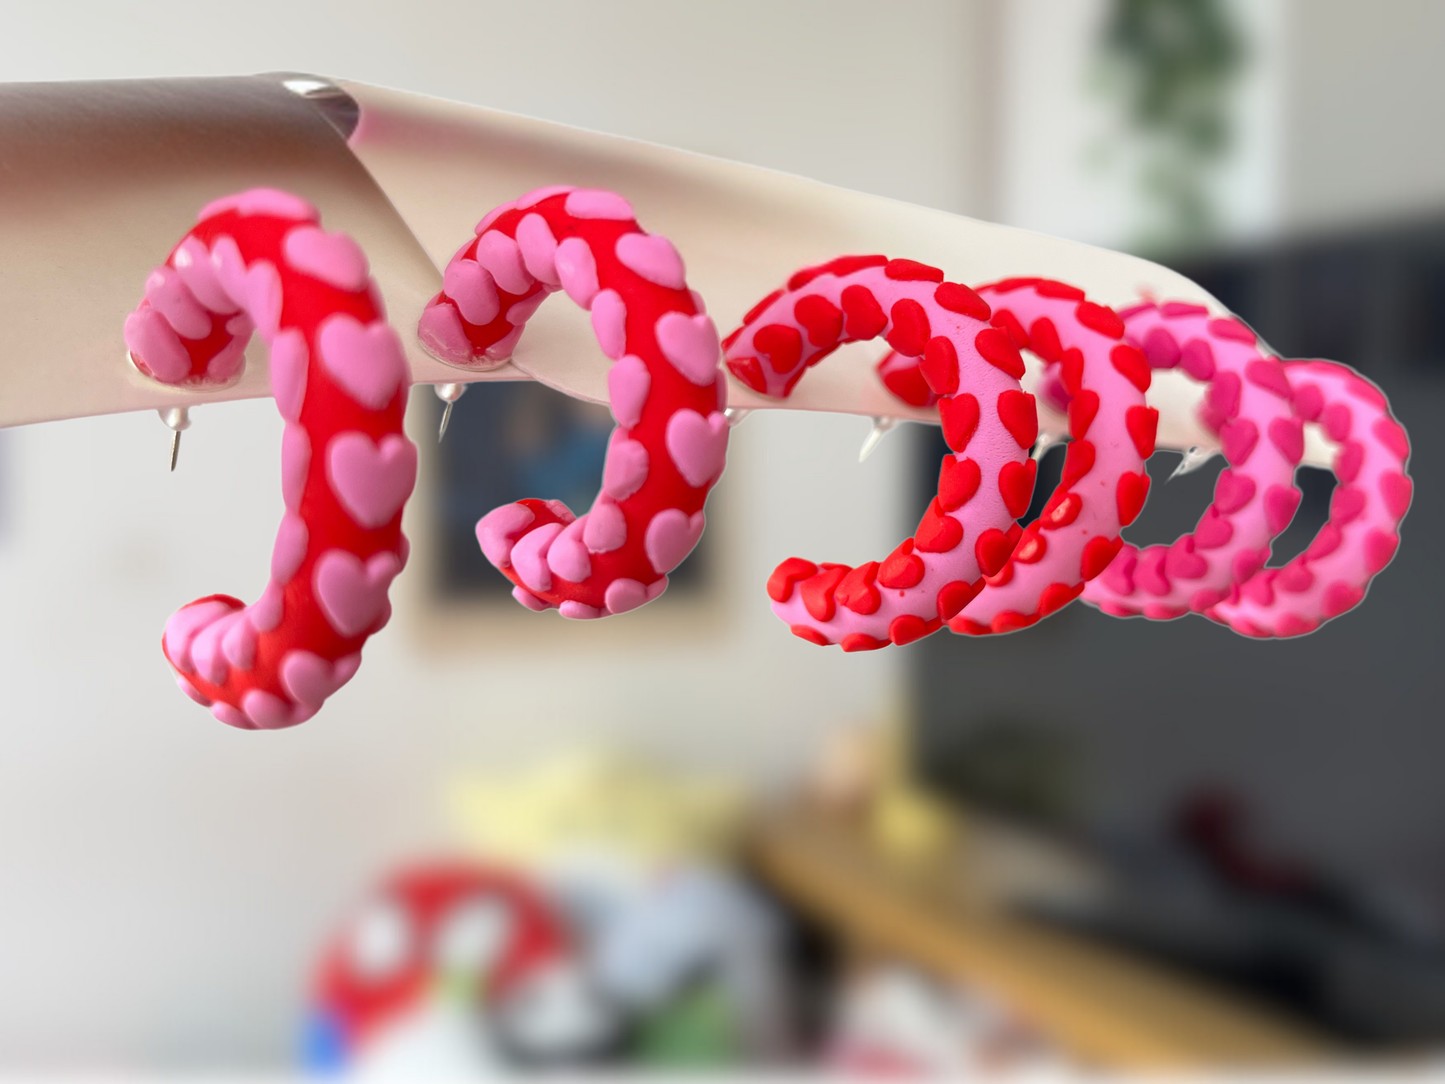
177 420
448 394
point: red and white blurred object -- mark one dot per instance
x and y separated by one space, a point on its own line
452 969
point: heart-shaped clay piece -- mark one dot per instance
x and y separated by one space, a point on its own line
598 203
1280 504
529 556
698 445
352 595
263 297
186 622
624 594
267 711
628 383
500 256
1213 530
367 362
567 555
155 343
473 291
290 548
609 322
1238 439
577 270
625 468
440 331
334 258
168 295
1232 491
497 531
309 679
289 358
654 258
539 249
606 528
671 536
371 481
691 344
1183 563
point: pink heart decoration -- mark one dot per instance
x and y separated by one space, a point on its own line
265 613
567 556
210 661
1325 542
1183 563
500 255
671 536
1232 491
473 291
698 445
1161 348
609 323
653 258
1349 460
597 203
1346 504
623 595
529 600
263 298
238 644
1280 505
1336 419
1213 530
193 263
577 270
1119 576
539 249
228 360
628 383
289 357
156 345
309 679
168 295
367 362
606 528
352 595
1380 547
691 344
1295 578
497 532
440 331
1247 562
1259 589
1223 394
334 258
290 548
1288 435
537 195
529 556
1340 597
1239 438
1396 489
371 481
183 626
1149 572
625 468
1197 359
266 710
295 465
1309 401
1269 374
262 201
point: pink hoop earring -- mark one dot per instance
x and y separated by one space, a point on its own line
260 260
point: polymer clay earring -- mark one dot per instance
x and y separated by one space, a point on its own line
968 531
1104 484
260 261
1362 534
667 393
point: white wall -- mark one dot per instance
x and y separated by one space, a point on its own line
164 880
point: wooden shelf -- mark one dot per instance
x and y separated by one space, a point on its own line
1102 1006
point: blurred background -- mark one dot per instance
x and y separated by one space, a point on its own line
702 840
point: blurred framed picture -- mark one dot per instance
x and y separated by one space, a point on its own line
506 441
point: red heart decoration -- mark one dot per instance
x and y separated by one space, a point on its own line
1099 552
937 532
959 415
901 569
1129 496
817 590
1078 461
780 583
1081 413
1020 416
940 365
1346 503
953 597
1397 490
856 590
1130 361
958 481
998 349
1288 435
1143 425
993 550
1016 485
910 330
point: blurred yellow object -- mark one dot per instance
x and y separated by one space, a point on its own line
598 802
905 821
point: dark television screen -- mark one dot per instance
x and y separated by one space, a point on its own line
1299 785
